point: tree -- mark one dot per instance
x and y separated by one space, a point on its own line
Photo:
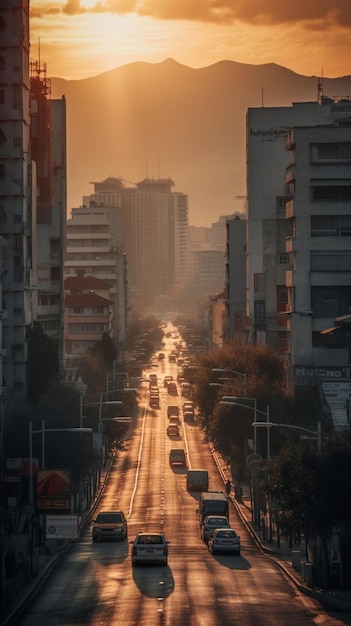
43 362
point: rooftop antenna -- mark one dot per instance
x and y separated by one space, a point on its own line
158 168
262 99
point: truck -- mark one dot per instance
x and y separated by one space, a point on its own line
197 480
212 503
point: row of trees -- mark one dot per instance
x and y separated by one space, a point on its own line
307 488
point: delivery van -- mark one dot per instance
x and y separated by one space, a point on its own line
197 480
212 503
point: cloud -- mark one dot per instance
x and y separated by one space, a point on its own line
316 14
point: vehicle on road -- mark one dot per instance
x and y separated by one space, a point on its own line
197 480
172 388
167 379
172 409
212 503
211 523
149 548
224 541
177 456
161 356
110 526
173 429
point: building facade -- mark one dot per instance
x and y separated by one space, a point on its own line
17 195
297 276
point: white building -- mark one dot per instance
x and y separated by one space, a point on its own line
297 277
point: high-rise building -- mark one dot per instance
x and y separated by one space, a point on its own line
17 194
48 150
154 232
298 246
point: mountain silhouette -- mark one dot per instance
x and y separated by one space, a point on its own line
169 120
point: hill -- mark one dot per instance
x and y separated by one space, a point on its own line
169 120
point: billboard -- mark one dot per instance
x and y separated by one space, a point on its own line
53 490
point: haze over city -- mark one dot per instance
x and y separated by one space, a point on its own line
82 38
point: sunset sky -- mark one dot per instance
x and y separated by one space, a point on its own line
82 38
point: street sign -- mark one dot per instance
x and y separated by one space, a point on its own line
254 460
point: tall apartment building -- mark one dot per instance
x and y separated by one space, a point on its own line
48 150
154 233
94 248
17 194
297 274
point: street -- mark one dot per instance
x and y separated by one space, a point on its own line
95 583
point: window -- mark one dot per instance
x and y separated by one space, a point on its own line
330 301
325 261
55 274
78 310
330 192
55 248
43 301
283 259
335 152
330 225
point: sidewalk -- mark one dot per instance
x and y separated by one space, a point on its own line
290 559
31 567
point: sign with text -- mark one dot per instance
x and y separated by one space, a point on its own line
61 527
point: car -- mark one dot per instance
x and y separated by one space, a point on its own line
177 456
110 526
173 430
166 380
212 522
161 356
149 548
172 388
224 540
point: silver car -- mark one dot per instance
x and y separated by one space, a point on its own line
224 540
210 523
149 548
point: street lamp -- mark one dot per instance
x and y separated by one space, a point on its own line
44 430
100 405
219 370
316 434
233 401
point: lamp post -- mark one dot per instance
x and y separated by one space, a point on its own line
233 401
219 370
100 405
316 434
44 430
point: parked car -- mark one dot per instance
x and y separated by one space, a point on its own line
149 548
110 525
224 540
211 523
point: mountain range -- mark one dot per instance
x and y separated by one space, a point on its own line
167 120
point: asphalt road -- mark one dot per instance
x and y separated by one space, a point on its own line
95 584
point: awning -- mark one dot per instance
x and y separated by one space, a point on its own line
344 319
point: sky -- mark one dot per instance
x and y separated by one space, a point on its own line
82 38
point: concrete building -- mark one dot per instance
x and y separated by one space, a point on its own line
94 248
88 314
48 146
298 248
235 320
154 231
18 195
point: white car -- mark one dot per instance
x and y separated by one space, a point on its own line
211 522
149 548
224 540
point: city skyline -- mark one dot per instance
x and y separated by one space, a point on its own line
82 38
